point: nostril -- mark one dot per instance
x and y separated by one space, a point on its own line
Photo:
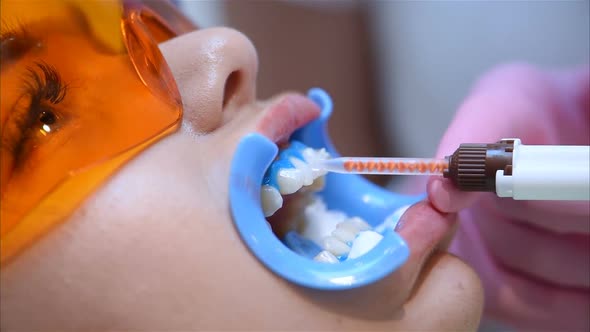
231 86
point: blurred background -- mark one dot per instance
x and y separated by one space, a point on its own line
397 70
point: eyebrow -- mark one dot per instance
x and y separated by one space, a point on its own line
15 44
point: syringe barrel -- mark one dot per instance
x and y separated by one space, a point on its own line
546 172
391 166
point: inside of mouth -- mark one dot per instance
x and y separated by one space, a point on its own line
292 202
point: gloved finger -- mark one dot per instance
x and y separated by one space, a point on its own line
517 298
534 251
560 217
514 101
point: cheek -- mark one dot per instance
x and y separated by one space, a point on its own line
155 244
156 249
149 228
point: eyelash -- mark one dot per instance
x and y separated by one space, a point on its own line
47 86
44 89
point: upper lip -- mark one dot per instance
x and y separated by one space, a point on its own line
285 115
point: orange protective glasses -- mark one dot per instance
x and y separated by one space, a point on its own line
84 88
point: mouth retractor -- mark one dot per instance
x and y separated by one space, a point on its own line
342 238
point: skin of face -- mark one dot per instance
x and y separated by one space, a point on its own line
155 247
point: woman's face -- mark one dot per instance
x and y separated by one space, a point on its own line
155 247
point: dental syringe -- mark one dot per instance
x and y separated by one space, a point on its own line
508 168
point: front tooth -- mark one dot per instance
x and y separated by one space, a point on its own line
363 243
326 257
270 199
344 234
348 226
335 246
305 170
308 154
323 154
311 156
289 180
318 184
359 223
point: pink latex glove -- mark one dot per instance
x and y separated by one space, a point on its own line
533 257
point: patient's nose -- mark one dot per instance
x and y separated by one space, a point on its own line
215 70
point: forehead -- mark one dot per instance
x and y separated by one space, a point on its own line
98 19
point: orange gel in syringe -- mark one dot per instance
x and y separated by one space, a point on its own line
384 166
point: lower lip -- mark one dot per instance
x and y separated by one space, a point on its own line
283 117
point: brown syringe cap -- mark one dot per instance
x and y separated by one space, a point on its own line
473 167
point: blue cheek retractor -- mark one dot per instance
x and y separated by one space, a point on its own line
351 194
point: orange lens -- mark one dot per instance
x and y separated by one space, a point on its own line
79 98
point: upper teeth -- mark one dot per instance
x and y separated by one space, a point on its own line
311 156
271 200
289 173
289 180
306 175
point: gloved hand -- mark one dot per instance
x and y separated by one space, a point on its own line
533 256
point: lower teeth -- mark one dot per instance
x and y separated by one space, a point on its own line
339 236
326 257
363 243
